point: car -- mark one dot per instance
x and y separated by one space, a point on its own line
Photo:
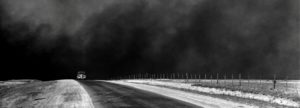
81 75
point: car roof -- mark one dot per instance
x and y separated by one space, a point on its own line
81 72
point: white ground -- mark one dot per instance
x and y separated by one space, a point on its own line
187 86
200 100
59 94
70 94
15 82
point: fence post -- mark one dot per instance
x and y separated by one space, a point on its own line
225 79
210 79
147 76
166 76
274 82
286 85
248 79
160 76
187 77
174 75
217 78
181 76
232 79
260 78
199 77
240 83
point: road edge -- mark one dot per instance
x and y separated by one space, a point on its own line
91 93
89 99
205 101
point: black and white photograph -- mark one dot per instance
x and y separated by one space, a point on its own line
150 53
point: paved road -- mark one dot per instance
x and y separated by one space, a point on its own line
110 95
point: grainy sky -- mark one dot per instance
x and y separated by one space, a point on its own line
49 39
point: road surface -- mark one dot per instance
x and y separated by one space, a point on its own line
109 95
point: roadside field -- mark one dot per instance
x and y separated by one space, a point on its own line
289 89
261 90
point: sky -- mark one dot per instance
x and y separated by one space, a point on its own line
54 39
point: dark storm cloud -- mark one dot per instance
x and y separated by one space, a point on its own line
109 37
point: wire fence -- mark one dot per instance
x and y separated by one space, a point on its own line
281 85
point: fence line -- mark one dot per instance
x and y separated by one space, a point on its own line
218 78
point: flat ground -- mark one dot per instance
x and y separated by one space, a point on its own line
256 92
49 94
163 93
109 95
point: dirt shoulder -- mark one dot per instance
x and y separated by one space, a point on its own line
52 94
